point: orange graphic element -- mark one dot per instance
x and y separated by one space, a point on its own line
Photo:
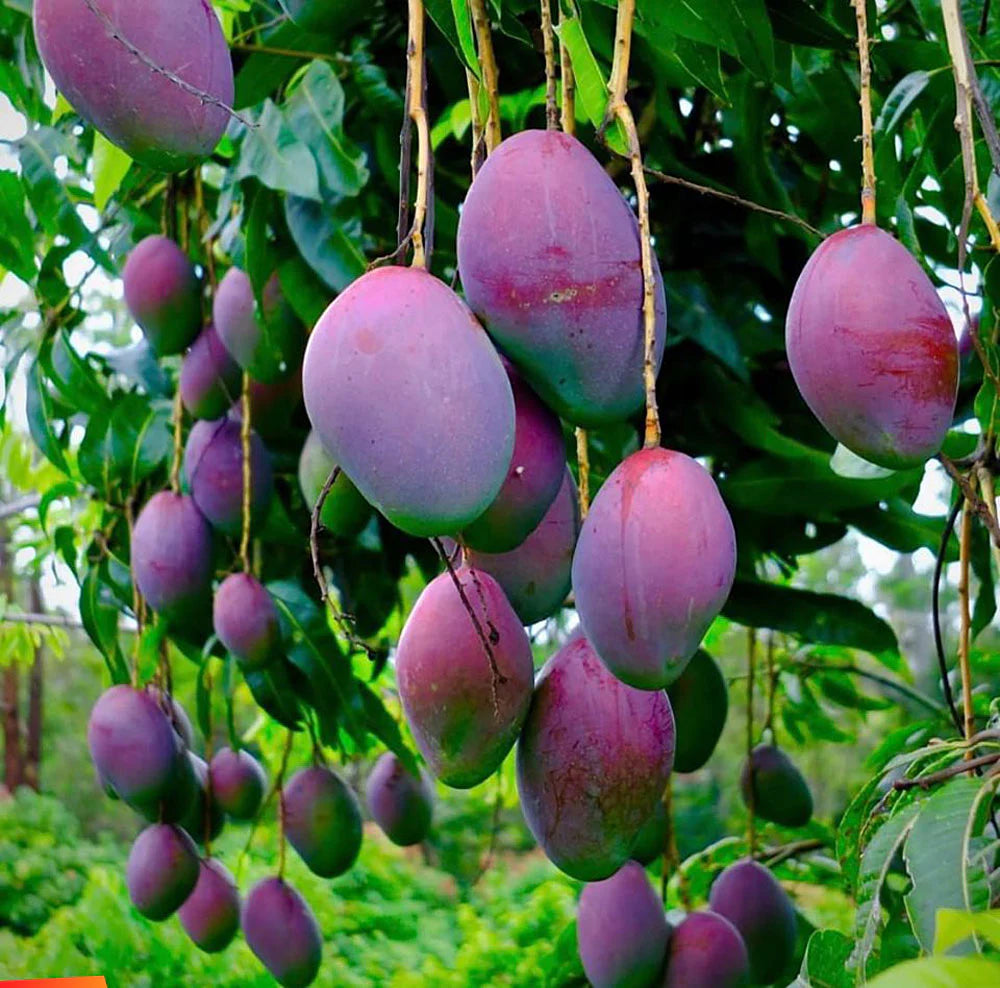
57 983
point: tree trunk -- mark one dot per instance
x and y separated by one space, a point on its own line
33 745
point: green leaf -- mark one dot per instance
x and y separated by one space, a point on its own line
825 962
797 22
899 101
463 29
818 617
315 113
324 243
941 972
939 857
274 155
99 614
41 417
17 238
955 925
111 165
381 723
591 86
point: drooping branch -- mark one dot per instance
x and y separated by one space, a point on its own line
618 109
893 684
153 66
490 73
969 493
867 154
949 527
965 669
958 768
245 428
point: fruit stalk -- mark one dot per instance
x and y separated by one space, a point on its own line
964 552
618 109
478 147
142 57
867 155
751 663
203 227
488 63
247 475
279 788
772 682
583 464
416 86
138 604
178 423
548 46
965 87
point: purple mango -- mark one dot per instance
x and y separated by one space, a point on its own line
653 566
749 896
400 803
282 931
163 294
238 783
210 379
322 820
410 398
268 347
204 817
213 466
534 476
879 369
172 559
536 575
621 929
549 255
211 913
162 870
464 714
706 951
246 620
593 759
142 110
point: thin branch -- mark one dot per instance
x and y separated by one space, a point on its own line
751 660
137 53
43 620
490 73
245 435
478 153
707 190
970 495
417 102
618 109
773 856
959 768
324 56
567 109
178 430
949 527
965 546
875 677
14 508
867 155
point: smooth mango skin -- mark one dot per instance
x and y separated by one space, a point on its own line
400 803
700 702
872 349
204 815
268 348
706 951
463 717
210 378
593 759
780 793
534 476
322 820
162 870
142 111
213 467
245 618
134 748
749 896
345 512
410 398
653 566
282 931
163 294
549 254
238 783
211 913
622 930
536 575
172 558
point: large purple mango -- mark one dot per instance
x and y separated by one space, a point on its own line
90 54
872 348
282 931
211 913
536 470
400 803
622 930
536 575
162 870
593 759
706 951
410 398
549 254
464 715
210 378
654 564
172 558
